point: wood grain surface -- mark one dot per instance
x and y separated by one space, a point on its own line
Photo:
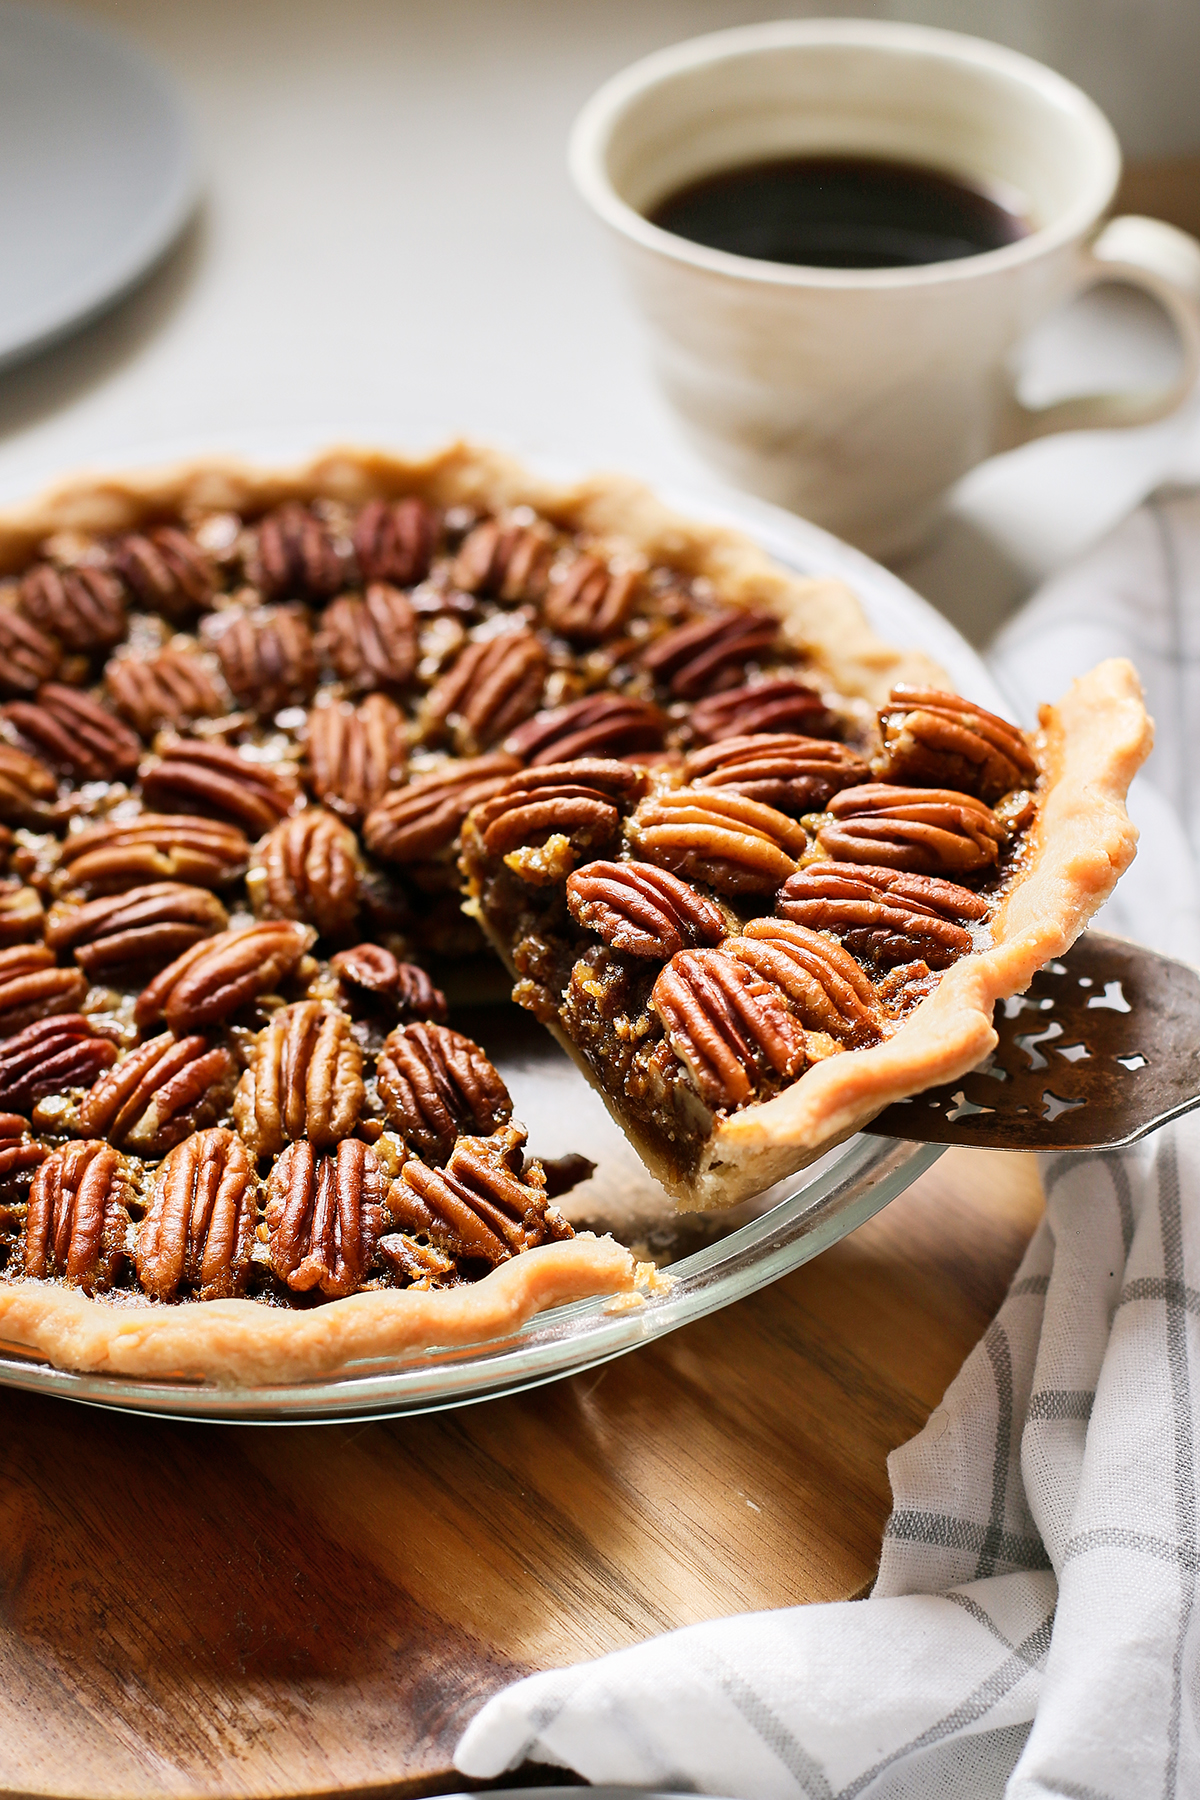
203 1610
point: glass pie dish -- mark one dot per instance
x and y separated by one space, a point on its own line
710 1259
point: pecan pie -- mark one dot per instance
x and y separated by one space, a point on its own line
278 751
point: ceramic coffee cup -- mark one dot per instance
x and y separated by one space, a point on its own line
858 396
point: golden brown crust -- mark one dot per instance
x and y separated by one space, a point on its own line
240 1342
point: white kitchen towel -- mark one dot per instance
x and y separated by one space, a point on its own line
1033 1631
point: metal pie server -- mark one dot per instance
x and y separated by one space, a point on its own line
1103 1047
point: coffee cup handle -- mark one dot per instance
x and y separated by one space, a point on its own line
1165 263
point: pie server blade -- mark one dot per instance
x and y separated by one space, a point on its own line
1103 1047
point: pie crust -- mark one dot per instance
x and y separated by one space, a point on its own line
1092 744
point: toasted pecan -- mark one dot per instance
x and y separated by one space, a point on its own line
508 558
371 972
173 688
581 800
112 858
597 725
641 910
939 740
20 1154
492 685
422 820
216 977
221 783
295 555
436 1084
586 600
75 733
168 570
78 1216
304 1079
27 656
483 1206
27 788
734 845
123 935
33 987
199 1231
370 640
84 608
356 754
49 1057
308 868
325 1215
21 916
795 775
395 540
927 831
884 915
267 655
156 1094
728 1026
711 652
827 989
781 703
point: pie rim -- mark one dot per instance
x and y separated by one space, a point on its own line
1082 842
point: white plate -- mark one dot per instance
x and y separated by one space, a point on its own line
98 172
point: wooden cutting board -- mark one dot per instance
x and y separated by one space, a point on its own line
202 1610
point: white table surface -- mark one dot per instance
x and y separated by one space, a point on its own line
389 241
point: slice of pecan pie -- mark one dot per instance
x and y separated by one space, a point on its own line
282 752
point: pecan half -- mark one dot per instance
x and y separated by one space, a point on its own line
587 601
325 1215
928 831
304 1079
158 1093
308 868
172 688
436 1084
49 1057
295 555
356 755
125 935
597 725
216 977
27 656
509 558
76 734
484 1206
32 987
199 1231
78 1216
370 639
642 910
213 779
371 972
935 739
735 845
780 704
20 1154
491 686
581 800
795 775
711 652
885 916
27 788
267 655
827 989
21 915
395 539
168 571
422 820
110 859
83 608
728 1026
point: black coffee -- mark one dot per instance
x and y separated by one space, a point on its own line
839 212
